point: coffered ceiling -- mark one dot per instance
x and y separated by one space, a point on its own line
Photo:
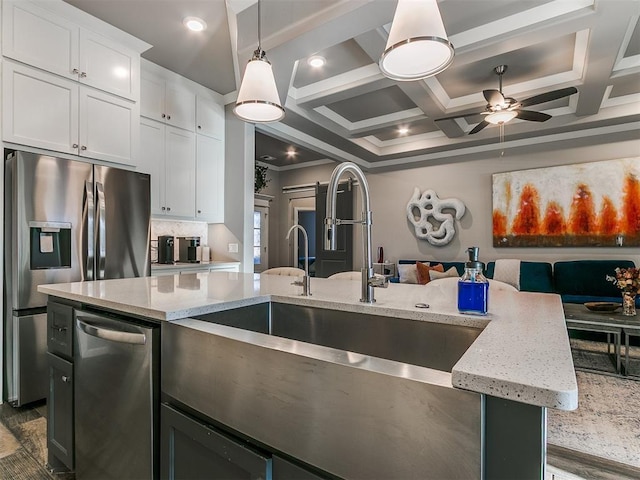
347 110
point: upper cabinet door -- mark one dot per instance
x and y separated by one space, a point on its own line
180 106
209 179
109 127
152 161
209 118
108 66
40 38
152 97
167 102
39 109
180 162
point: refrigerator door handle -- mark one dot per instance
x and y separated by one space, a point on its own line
112 335
89 214
102 233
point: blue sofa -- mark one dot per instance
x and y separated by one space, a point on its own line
576 281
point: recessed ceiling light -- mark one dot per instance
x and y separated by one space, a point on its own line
317 61
195 24
291 152
403 130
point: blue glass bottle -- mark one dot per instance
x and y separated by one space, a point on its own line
473 287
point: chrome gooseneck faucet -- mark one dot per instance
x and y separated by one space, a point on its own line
306 280
369 280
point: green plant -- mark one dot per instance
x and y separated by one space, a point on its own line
261 179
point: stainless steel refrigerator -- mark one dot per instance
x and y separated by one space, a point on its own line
65 221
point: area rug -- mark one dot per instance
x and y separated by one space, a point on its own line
607 421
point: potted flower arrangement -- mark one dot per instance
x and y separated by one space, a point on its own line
627 280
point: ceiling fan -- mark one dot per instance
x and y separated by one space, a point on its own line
501 109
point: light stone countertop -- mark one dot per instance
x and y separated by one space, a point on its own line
523 353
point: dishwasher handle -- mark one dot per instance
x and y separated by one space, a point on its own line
113 335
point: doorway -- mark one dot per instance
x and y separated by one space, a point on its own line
260 238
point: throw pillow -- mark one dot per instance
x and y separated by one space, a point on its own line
423 272
408 273
434 274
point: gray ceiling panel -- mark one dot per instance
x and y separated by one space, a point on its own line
340 59
373 104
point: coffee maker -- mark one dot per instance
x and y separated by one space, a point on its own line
187 249
165 249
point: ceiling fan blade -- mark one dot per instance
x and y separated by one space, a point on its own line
532 116
479 127
547 97
462 115
493 97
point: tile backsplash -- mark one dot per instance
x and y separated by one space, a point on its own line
176 229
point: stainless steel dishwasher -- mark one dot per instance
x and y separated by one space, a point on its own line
116 393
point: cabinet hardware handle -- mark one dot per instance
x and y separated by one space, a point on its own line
83 74
168 209
75 145
58 328
66 379
75 71
199 211
168 117
83 147
164 116
199 127
163 209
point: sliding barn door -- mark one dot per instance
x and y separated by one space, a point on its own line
341 260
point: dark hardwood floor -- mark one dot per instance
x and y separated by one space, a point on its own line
23 443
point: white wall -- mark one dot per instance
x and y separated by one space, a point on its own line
238 193
470 182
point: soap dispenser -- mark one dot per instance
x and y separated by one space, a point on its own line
473 287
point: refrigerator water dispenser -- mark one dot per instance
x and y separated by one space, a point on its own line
50 245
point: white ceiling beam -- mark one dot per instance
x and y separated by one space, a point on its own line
604 44
341 87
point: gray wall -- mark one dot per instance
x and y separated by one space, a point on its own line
470 182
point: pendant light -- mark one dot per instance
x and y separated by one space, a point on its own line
418 46
258 100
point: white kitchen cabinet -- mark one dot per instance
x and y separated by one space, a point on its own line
209 179
180 172
168 154
152 160
167 102
209 117
47 111
37 34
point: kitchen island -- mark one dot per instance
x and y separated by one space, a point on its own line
516 364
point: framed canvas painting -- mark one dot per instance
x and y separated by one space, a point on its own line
582 205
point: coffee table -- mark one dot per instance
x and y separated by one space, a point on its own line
630 330
578 317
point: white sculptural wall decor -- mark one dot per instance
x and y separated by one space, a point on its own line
440 230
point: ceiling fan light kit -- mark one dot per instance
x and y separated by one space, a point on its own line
418 46
500 117
258 100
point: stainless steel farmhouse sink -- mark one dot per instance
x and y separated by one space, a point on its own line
426 344
354 395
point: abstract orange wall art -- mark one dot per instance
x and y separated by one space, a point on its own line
583 205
